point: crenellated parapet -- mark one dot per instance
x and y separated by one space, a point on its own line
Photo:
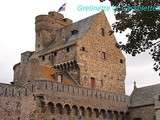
7 90
67 101
47 26
44 85
50 88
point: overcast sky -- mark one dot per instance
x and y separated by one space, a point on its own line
17 34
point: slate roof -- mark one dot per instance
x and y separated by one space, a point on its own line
144 96
82 26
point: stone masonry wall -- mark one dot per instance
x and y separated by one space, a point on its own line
59 56
46 26
143 112
109 69
32 101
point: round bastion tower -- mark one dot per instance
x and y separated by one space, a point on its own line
46 27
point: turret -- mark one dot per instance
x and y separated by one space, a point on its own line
46 27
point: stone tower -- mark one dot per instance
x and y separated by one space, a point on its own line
46 27
75 73
81 53
102 64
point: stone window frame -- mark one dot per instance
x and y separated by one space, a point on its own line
60 78
68 49
83 48
43 58
55 53
51 56
121 61
103 55
158 97
64 19
74 32
93 82
103 32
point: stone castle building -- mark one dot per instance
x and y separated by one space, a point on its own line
75 73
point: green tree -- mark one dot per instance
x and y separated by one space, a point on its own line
142 18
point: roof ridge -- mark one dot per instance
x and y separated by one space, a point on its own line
86 22
79 20
148 86
88 17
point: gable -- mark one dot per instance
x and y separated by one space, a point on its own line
69 35
144 96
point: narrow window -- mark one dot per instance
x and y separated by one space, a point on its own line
60 78
74 32
159 97
121 60
43 58
64 19
55 53
102 32
93 82
50 57
68 49
83 48
103 55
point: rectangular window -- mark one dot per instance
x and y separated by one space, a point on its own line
59 78
103 55
102 32
43 58
74 32
93 82
121 60
68 49
83 48
55 53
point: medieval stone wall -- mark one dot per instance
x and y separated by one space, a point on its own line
100 59
54 82
142 113
34 100
32 70
16 103
59 56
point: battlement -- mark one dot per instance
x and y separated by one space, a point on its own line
47 26
25 56
51 21
56 15
7 90
79 91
